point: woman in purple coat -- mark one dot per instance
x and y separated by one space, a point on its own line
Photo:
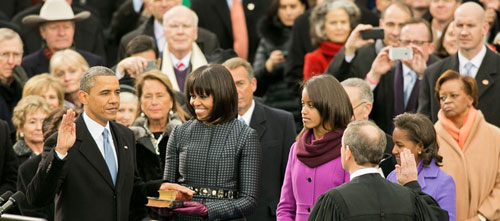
416 133
314 163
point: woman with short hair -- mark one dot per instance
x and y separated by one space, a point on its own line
215 154
331 23
46 86
314 163
28 117
470 147
68 66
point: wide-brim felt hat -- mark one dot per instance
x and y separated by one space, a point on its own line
55 10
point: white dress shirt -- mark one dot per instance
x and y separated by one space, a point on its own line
476 61
247 116
364 171
159 36
185 61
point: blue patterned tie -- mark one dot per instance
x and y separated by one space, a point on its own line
408 87
468 69
109 155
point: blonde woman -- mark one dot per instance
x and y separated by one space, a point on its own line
46 86
68 66
28 117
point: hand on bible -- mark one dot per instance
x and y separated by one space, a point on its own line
185 193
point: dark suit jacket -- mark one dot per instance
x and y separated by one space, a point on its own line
367 197
8 160
389 97
88 33
488 86
80 185
37 62
215 16
207 41
358 67
276 131
11 7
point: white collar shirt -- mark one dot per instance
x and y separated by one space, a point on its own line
247 116
159 36
185 61
364 171
476 61
96 130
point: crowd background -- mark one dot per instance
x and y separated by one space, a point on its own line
287 76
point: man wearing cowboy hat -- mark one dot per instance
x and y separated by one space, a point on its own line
57 28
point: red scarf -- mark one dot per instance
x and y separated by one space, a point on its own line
314 153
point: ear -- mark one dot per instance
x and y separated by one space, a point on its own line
42 31
431 47
195 34
158 63
368 109
83 97
486 28
420 147
348 153
253 84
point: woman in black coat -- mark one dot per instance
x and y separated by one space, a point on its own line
275 30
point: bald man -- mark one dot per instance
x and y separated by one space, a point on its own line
473 59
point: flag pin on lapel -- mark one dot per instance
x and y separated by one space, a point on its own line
126 147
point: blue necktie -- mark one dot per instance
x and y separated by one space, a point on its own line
468 69
408 87
109 155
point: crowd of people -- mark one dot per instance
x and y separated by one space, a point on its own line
251 109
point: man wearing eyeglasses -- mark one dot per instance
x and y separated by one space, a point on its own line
11 53
396 83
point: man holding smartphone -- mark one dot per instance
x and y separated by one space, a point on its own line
396 83
352 60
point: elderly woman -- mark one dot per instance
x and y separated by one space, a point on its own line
68 66
447 43
331 23
129 106
28 117
470 147
314 163
46 86
276 29
416 133
215 154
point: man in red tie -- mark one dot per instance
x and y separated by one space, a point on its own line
181 54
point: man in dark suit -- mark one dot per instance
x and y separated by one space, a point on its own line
8 160
216 17
11 87
368 196
91 172
91 26
276 131
58 32
473 59
353 59
207 41
396 83
361 98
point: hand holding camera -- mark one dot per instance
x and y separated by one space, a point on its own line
356 40
132 65
381 65
417 62
276 57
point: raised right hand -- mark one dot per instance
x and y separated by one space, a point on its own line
67 133
355 41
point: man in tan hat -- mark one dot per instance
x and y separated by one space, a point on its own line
56 22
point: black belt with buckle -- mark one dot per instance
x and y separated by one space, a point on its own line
216 193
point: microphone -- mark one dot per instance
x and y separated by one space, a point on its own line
5 196
13 200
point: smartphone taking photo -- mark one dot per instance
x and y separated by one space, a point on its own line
401 53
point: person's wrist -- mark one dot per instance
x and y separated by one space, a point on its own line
373 78
349 51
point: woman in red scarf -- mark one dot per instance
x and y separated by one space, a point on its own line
470 147
331 23
314 164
